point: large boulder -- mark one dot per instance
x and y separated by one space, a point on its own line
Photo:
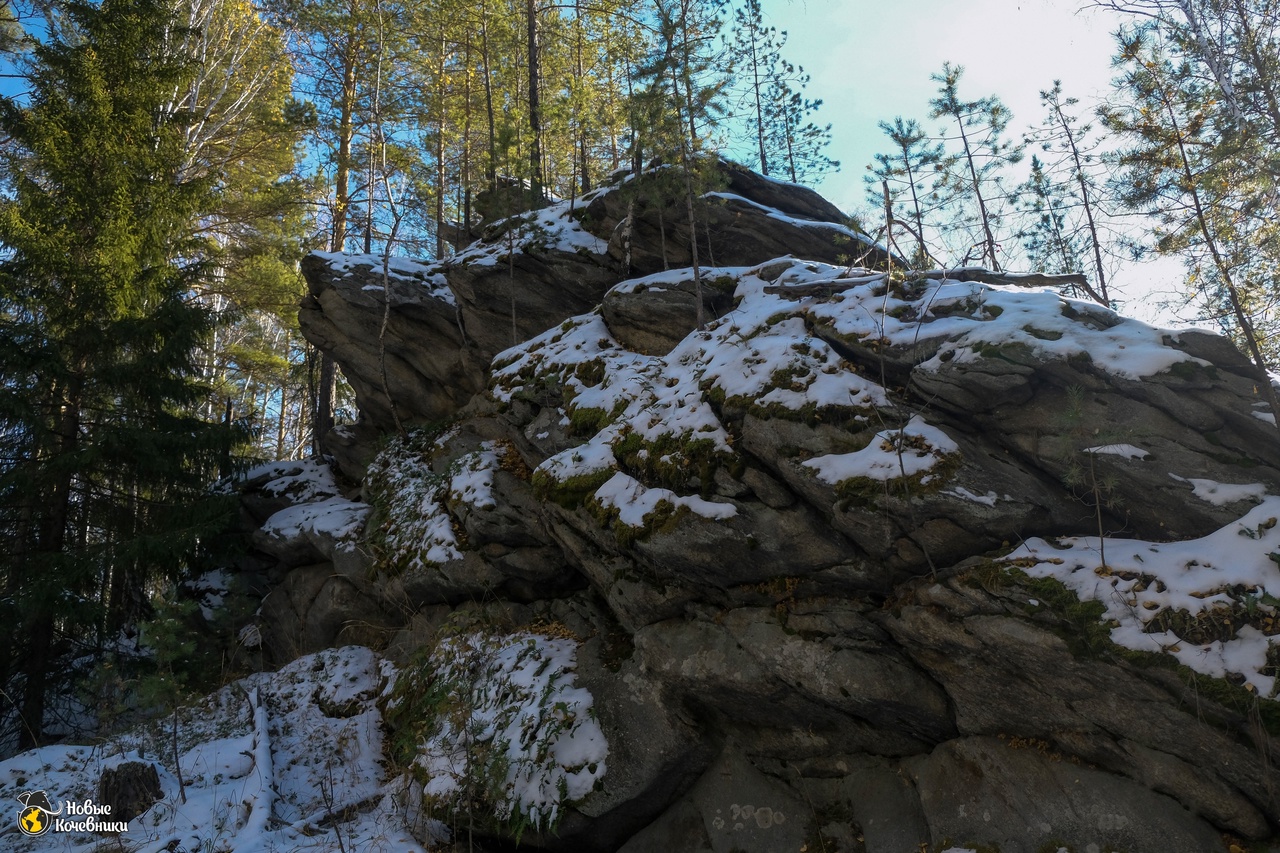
415 340
417 358
504 303
744 218
783 539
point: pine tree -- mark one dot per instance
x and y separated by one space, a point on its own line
758 50
800 143
1180 169
906 171
1065 200
1218 63
1050 244
102 460
771 101
338 48
975 177
686 83
11 30
1235 44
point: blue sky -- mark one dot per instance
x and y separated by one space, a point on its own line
871 61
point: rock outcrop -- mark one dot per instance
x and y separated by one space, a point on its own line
783 540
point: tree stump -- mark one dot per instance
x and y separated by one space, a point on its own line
130 789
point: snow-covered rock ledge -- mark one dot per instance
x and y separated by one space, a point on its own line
855 537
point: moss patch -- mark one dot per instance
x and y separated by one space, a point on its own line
871 493
1014 352
664 518
1043 334
1079 624
671 460
569 493
590 373
399 483
1191 371
734 408
585 421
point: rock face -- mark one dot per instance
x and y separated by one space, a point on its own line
746 219
445 321
783 540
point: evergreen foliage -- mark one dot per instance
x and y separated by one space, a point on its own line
155 206
1068 228
1186 165
770 100
103 462
974 178
243 136
905 172
1198 87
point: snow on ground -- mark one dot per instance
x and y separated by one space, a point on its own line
915 449
268 763
779 216
336 518
318 509
430 275
518 724
634 501
757 355
293 760
655 399
472 480
974 317
988 499
552 227
1125 451
417 529
1221 494
299 480
210 591
1230 577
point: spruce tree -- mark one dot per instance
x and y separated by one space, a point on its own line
101 460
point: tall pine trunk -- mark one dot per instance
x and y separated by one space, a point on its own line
1233 293
327 384
688 146
1100 295
989 251
535 117
491 172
